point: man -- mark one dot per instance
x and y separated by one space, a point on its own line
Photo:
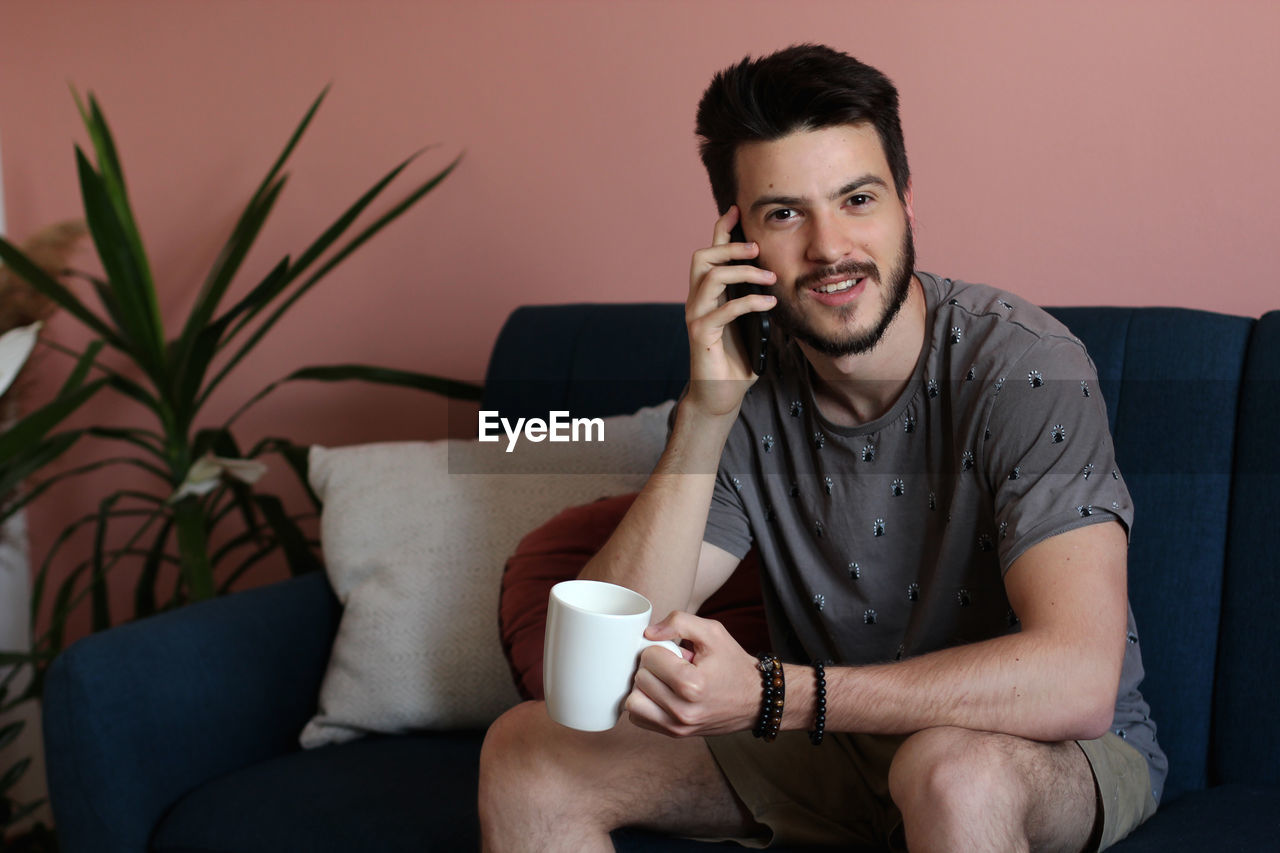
926 471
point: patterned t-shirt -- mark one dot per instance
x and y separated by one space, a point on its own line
890 539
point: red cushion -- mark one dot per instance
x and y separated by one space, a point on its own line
559 549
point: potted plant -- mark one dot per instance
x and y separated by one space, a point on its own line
202 478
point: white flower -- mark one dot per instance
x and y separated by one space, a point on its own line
206 471
15 346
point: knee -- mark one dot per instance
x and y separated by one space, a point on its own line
512 757
952 772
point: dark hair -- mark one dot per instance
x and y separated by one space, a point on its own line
804 87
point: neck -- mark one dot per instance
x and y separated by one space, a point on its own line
857 389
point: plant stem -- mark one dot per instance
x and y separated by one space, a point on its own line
189 520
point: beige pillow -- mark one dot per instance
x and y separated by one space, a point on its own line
415 535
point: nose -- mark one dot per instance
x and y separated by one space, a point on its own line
828 242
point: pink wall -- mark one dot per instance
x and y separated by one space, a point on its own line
1078 153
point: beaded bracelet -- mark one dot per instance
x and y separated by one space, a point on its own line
773 694
820 703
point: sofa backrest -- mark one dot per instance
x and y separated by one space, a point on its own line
1171 379
1246 737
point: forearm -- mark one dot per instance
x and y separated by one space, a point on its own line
655 548
1025 685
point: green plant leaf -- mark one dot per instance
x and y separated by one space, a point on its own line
31 494
190 373
394 213
451 388
48 286
264 292
144 591
86 361
245 565
296 456
17 469
198 341
118 382
317 248
113 184
31 430
254 536
23 658
297 550
101 602
40 839
339 227
66 598
149 441
136 392
270 180
9 733
134 294
292 143
13 774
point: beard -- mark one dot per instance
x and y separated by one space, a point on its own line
789 318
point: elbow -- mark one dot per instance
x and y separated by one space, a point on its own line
1081 707
1093 722
1092 708
1077 719
1085 705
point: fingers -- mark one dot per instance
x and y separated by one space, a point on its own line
666 694
720 253
714 692
724 225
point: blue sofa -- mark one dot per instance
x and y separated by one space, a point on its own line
179 732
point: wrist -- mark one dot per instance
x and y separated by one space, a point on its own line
712 403
800 698
697 441
806 708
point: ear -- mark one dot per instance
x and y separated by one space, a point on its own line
908 203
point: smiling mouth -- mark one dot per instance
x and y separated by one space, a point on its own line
837 286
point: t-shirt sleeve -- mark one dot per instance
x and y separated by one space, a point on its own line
1048 453
727 524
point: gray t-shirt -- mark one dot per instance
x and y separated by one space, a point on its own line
890 539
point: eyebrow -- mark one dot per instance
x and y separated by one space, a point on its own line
791 201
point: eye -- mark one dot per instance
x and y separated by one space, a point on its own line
859 200
782 214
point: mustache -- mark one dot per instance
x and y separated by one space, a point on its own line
847 269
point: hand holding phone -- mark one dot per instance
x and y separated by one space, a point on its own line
754 326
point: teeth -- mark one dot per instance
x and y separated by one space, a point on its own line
837 287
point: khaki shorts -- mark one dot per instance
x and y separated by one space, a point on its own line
838 793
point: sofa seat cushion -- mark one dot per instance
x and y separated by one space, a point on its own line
390 794
1225 817
393 794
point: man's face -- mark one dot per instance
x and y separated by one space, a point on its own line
823 207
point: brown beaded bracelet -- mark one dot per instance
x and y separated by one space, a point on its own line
773 695
820 704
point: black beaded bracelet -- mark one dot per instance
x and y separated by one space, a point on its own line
820 704
772 697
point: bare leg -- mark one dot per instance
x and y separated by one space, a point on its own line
546 787
962 790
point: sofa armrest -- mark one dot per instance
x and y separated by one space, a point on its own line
138 715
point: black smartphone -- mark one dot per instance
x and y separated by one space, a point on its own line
753 327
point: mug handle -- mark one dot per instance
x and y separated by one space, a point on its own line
670 645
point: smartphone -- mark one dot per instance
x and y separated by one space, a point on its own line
753 327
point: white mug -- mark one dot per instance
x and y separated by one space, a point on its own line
595 633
